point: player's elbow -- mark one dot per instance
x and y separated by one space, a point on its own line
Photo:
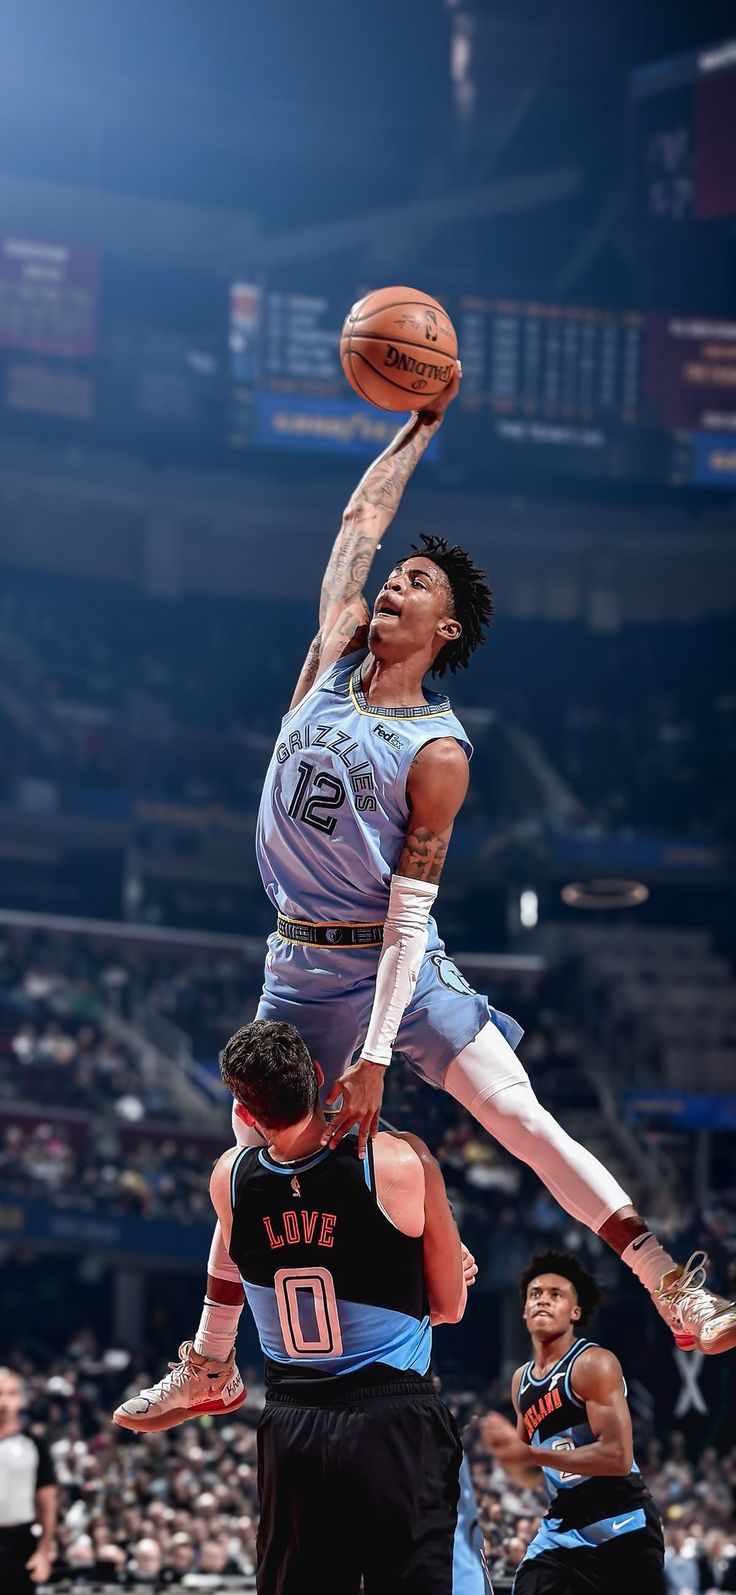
456 1307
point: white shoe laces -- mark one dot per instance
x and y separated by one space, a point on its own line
688 1295
176 1378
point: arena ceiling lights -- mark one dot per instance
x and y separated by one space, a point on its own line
604 894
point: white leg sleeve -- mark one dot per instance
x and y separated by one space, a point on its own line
220 1264
489 1081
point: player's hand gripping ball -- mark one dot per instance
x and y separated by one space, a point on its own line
398 348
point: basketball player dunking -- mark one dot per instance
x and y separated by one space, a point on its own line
601 1534
368 774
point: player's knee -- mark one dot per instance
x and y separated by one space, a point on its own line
518 1117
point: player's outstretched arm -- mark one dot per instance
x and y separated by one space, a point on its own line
597 1381
343 612
366 518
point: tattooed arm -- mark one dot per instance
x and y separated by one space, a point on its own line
367 516
436 788
351 632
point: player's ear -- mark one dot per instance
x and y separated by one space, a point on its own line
319 1073
449 630
243 1114
575 1314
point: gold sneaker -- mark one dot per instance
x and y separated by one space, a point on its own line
699 1320
194 1385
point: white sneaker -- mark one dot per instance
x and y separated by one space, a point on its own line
194 1385
699 1319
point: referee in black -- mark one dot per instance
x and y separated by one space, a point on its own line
27 1496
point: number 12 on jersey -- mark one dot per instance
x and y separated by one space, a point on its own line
308 1315
308 808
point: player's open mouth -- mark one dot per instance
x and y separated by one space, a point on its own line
386 612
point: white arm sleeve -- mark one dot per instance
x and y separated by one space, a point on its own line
404 942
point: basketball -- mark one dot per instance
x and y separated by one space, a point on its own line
398 348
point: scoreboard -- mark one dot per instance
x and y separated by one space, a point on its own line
554 362
546 387
48 297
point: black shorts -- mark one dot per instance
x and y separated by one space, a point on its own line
16 1545
367 1485
633 1563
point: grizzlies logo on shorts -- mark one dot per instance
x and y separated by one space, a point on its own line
450 975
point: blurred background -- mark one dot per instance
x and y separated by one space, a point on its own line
191 198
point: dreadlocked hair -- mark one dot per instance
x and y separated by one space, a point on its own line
472 601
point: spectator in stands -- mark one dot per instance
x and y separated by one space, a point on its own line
687 1572
146 1565
505 1565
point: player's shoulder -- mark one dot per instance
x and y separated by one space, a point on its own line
401 1151
595 1372
516 1379
438 762
223 1169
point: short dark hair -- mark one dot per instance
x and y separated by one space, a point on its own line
268 1068
569 1267
472 601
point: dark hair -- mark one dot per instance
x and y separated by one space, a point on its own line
268 1068
472 601
568 1266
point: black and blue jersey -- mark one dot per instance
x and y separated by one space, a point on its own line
334 1287
582 1510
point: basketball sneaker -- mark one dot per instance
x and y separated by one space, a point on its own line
699 1320
194 1385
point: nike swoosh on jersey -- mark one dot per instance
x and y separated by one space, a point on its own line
623 1523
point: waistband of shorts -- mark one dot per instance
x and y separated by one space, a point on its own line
314 1395
306 933
12 1534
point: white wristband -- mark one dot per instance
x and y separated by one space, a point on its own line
404 943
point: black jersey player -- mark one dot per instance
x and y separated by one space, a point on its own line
601 1534
346 1262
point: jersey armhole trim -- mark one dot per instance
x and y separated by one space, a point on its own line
234 1174
583 1345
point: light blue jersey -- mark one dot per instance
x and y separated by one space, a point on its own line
334 811
331 828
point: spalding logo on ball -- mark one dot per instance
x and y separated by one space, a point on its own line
398 348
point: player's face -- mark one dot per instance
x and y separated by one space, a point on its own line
551 1306
411 611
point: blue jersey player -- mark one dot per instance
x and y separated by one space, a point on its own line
601 1533
369 771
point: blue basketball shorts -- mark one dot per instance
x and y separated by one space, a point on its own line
328 995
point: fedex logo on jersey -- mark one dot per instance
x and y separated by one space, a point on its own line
385 734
